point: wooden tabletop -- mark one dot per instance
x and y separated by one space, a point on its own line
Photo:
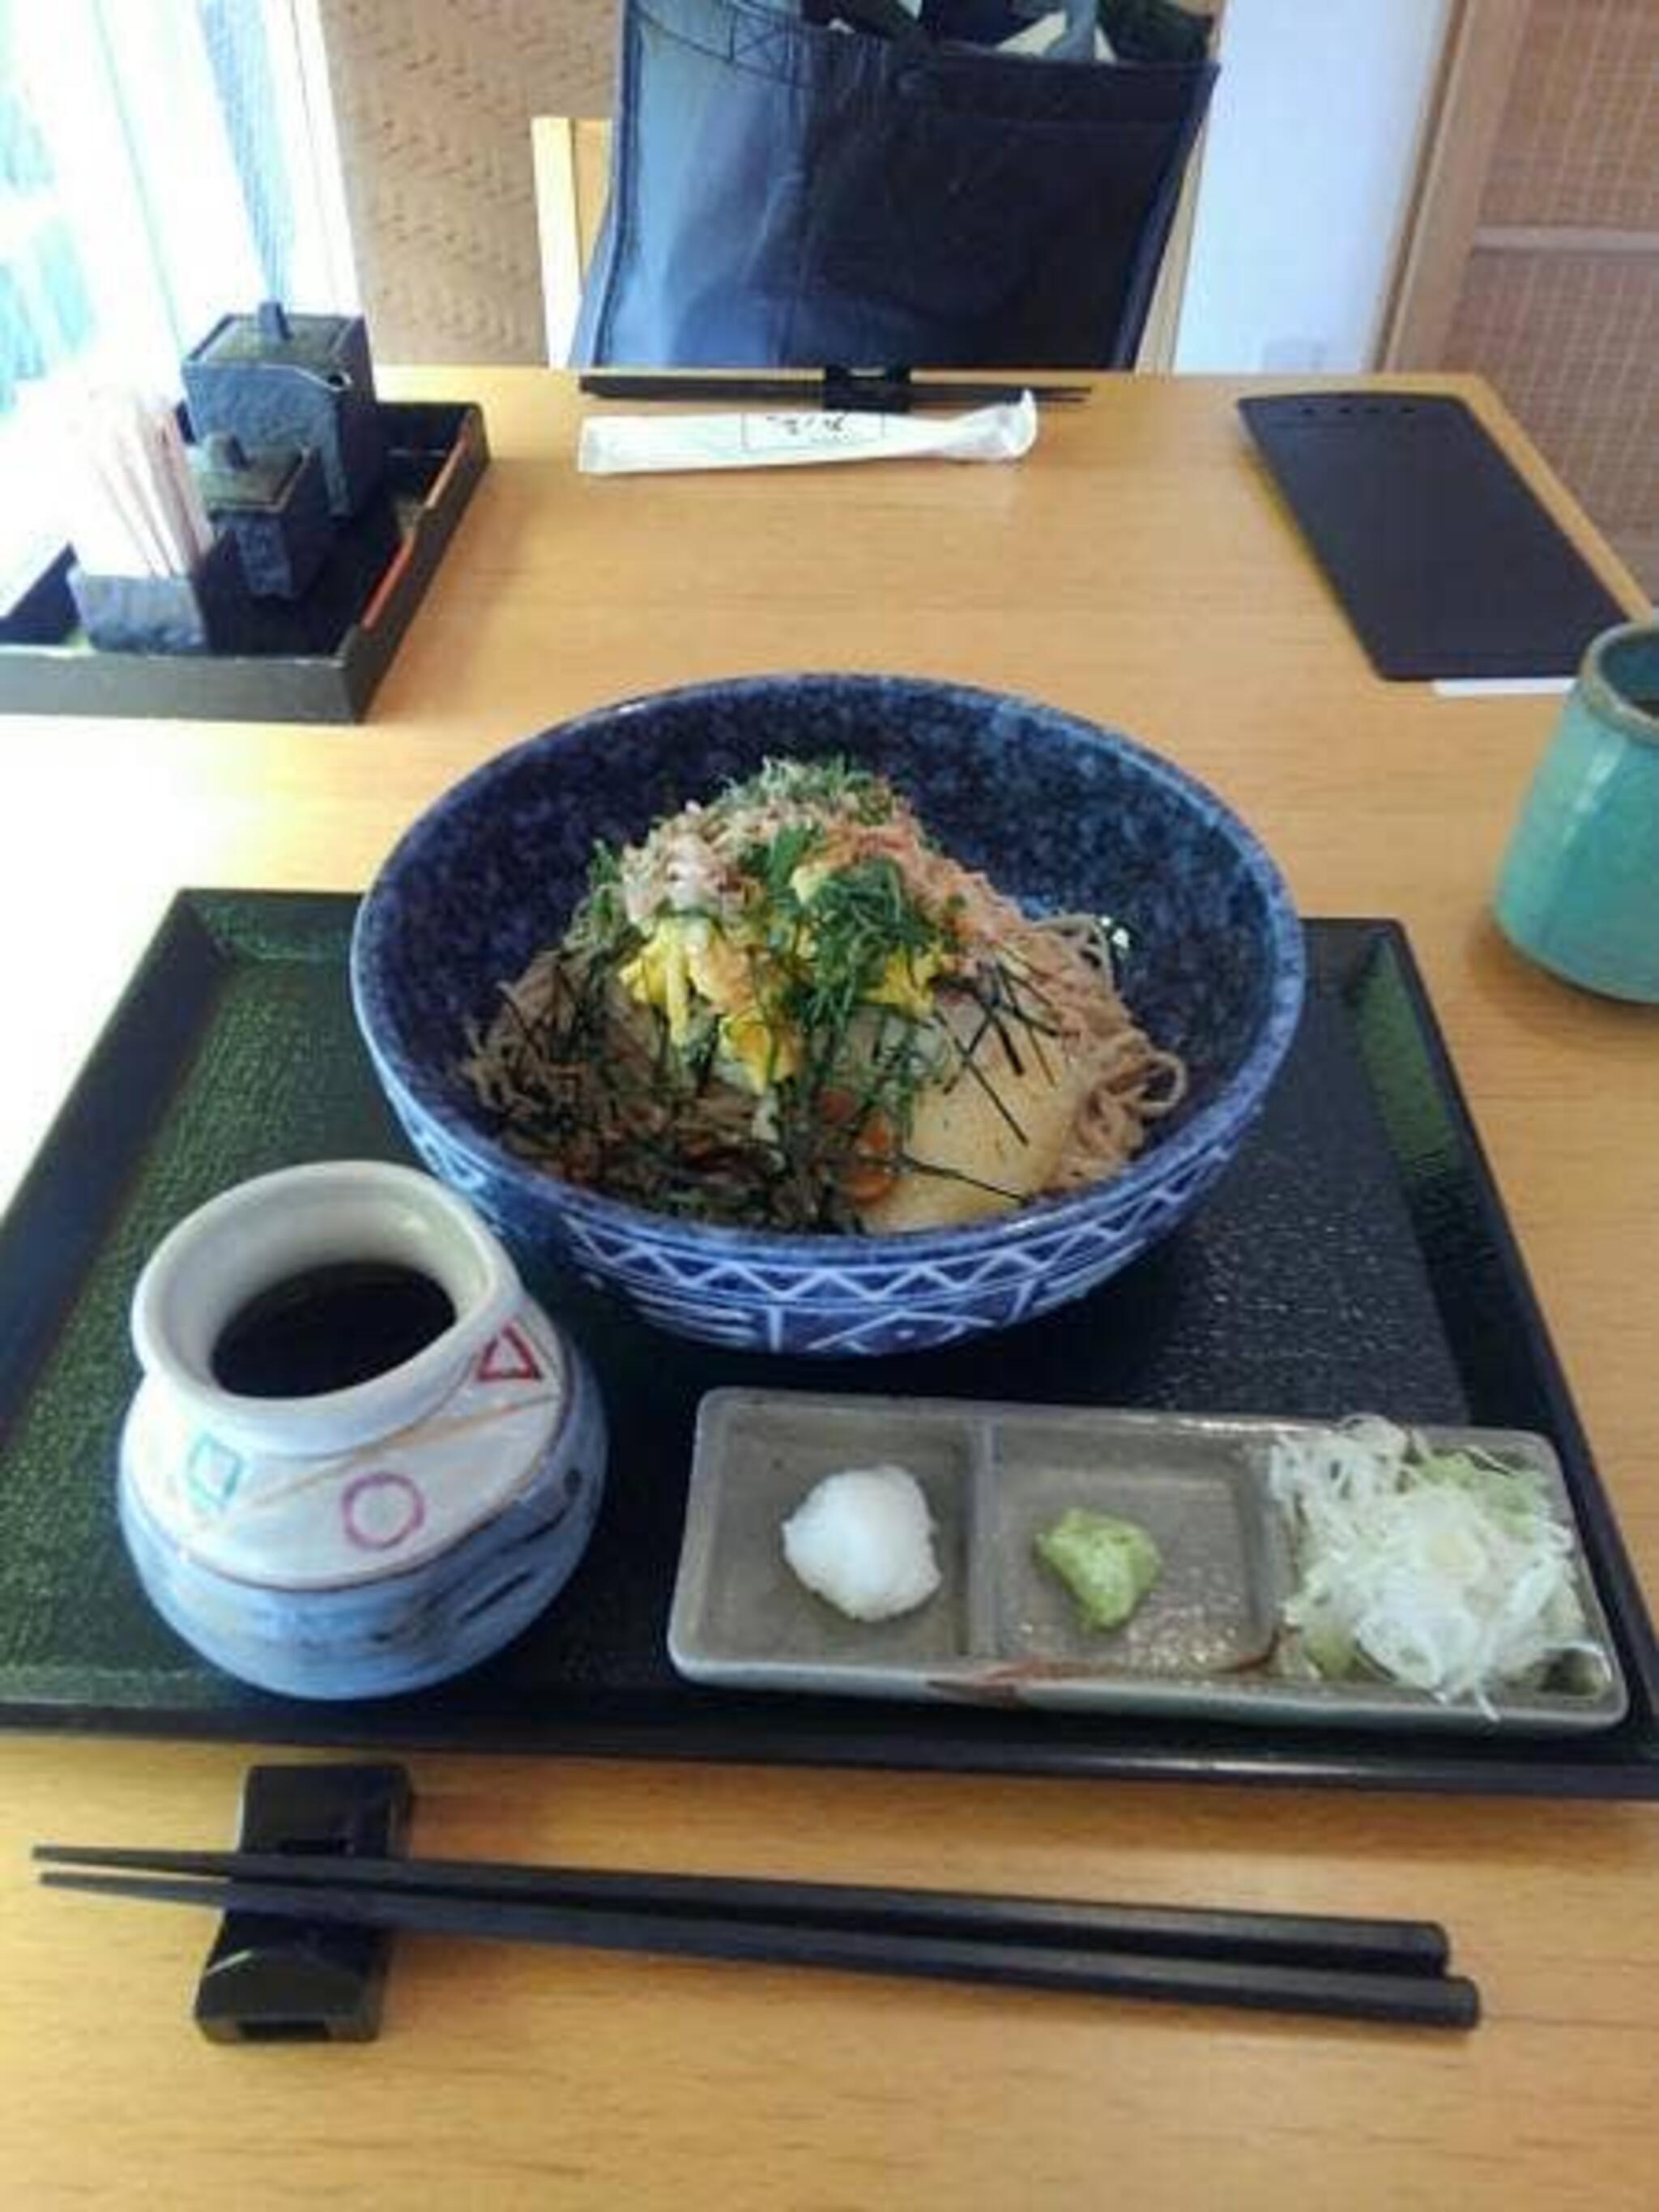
1137 567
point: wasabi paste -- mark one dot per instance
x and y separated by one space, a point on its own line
1108 1565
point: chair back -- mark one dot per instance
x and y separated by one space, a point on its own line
571 155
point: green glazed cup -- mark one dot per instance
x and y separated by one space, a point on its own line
1579 888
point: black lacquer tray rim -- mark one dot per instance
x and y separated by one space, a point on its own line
63 1202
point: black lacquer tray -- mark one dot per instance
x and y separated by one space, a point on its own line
314 659
1356 1255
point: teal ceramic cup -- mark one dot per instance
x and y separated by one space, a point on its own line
1579 888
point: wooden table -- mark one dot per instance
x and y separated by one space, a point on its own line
1137 567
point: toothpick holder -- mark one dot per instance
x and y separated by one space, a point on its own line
209 611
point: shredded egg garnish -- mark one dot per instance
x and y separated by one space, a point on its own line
687 963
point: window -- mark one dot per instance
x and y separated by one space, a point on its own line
163 163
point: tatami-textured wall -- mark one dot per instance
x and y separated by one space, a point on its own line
1560 305
433 100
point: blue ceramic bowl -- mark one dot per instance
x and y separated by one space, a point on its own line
1063 816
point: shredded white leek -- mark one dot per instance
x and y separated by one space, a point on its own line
1443 1571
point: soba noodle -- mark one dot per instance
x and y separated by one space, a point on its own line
788 1009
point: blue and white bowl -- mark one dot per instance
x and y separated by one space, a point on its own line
1063 816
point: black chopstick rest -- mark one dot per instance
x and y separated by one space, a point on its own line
270 1980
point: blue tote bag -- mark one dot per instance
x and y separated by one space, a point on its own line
784 193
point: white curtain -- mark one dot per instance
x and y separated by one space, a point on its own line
163 163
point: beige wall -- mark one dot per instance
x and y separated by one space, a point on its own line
433 100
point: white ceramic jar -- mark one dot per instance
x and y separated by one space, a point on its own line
372 1537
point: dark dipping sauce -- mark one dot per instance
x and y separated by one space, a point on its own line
328 1329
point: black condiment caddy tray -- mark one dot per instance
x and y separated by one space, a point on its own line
1357 1255
317 659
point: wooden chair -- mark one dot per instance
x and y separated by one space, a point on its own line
572 160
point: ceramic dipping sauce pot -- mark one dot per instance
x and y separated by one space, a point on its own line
361 1458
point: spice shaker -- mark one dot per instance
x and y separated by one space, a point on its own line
273 379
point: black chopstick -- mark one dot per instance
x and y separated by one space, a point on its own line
1418 1999
815 392
1280 1938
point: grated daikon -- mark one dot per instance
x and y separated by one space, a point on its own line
863 1540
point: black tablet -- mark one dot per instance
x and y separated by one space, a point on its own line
1443 559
